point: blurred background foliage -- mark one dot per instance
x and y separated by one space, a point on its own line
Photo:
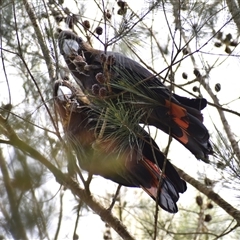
191 45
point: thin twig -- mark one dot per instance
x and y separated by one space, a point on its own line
235 213
67 181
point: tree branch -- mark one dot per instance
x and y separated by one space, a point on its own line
65 180
40 38
235 12
16 227
211 195
226 126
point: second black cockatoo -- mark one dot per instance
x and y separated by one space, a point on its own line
113 75
132 158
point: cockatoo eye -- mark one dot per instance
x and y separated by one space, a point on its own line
64 93
70 47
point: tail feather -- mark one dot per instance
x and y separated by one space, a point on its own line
166 195
198 136
196 103
151 150
184 123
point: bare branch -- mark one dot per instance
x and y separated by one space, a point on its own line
211 195
65 180
40 38
234 9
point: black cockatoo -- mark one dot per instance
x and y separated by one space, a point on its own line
112 75
132 160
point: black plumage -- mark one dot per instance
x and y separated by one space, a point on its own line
132 160
128 80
